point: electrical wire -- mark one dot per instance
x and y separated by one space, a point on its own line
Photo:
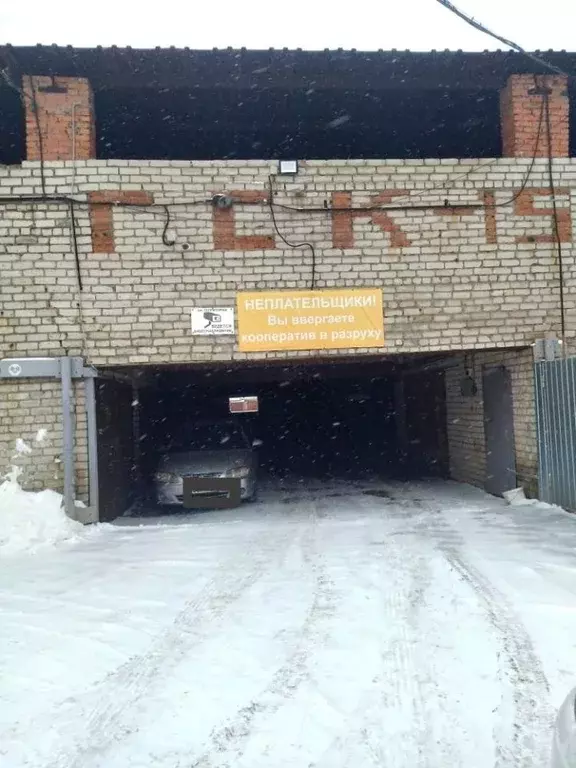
556 223
287 242
168 243
524 184
510 43
75 246
36 112
12 199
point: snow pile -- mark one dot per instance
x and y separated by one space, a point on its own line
517 498
31 520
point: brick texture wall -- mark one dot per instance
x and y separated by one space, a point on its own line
465 259
27 406
465 417
60 123
452 277
525 119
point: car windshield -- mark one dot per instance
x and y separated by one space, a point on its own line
208 436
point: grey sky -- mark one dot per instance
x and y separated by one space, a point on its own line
309 24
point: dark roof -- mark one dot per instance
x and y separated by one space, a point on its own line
274 68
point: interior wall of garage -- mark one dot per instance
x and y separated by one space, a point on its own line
465 417
117 470
421 414
30 405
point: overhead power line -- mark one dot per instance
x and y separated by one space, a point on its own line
510 43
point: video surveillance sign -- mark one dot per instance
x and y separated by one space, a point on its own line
212 322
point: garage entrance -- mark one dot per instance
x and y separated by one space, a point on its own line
324 420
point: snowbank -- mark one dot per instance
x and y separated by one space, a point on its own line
30 520
517 498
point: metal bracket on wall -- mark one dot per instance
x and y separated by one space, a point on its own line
547 350
66 369
43 368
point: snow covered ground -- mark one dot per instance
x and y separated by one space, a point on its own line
434 627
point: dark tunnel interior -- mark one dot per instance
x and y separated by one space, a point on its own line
341 422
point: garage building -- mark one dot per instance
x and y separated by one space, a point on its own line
379 227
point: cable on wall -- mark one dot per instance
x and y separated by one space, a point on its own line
36 112
556 223
167 243
284 240
75 245
526 178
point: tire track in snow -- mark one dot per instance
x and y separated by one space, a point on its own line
228 742
405 578
522 742
526 742
87 725
398 686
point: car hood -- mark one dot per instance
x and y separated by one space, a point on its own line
203 462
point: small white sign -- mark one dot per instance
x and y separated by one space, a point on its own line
212 322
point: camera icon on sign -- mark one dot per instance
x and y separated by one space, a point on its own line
212 317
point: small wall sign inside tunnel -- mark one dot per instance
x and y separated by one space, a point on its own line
246 404
212 322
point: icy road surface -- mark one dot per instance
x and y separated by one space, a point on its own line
434 627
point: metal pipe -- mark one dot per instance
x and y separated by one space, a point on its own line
92 429
68 436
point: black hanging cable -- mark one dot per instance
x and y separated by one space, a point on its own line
526 178
287 242
510 43
75 245
557 237
168 243
39 131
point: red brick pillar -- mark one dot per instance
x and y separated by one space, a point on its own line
63 107
521 104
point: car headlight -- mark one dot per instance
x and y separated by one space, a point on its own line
237 472
166 477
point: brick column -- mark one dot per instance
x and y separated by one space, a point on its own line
521 104
64 109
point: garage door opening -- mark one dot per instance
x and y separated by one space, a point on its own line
325 421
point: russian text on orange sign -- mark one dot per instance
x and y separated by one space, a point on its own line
291 320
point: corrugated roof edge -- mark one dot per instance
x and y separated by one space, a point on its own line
243 68
230 49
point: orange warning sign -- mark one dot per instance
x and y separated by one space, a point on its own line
290 320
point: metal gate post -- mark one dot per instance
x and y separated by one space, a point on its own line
66 369
93 487
68 437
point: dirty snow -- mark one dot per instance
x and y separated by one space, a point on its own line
429 626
